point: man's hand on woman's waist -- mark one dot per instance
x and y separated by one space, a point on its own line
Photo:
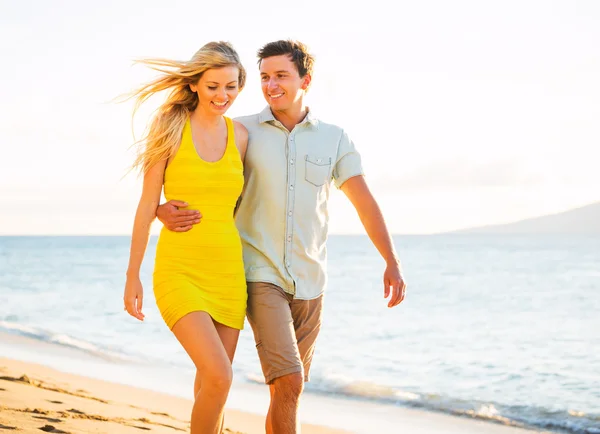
176 219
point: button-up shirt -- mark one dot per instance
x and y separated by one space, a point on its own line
283 216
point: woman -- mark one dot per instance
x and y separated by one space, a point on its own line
197 153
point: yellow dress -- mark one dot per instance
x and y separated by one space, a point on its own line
202 269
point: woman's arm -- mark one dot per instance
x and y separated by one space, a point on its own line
144 216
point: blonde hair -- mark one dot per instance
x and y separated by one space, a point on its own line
163 135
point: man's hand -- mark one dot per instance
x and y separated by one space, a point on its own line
175 219
392 278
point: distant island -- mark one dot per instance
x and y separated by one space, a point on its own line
584 220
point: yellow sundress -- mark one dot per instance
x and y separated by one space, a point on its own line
202 269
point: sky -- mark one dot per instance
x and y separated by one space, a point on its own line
466 113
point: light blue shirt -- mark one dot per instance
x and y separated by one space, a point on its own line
283 216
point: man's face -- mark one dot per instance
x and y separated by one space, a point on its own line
282 85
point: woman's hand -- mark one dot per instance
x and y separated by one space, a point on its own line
133 298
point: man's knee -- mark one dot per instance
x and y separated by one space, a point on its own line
289 386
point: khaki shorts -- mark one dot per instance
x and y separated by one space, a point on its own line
285 329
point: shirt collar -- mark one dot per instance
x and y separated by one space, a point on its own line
266 115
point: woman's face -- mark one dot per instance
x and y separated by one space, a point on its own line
217 89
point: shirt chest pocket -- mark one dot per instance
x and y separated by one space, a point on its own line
317 170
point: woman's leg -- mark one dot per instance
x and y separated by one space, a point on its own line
229 337
199 337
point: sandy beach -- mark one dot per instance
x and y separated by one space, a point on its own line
36 398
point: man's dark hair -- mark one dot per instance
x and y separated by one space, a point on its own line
297 51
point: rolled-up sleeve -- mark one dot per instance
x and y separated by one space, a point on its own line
348 163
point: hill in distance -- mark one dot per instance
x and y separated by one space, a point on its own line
584 220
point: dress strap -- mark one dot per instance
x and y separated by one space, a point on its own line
187 144
230 136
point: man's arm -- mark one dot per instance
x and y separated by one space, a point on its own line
175 219
357 190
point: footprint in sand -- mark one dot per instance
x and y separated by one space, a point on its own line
51 429
48 419
55 402
8 427
74 410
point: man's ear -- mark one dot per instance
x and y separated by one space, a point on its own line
306 81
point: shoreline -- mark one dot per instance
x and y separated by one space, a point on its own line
245 409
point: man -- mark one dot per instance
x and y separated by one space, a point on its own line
282 217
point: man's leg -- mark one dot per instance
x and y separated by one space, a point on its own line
307 316
285 397
270 315
286 390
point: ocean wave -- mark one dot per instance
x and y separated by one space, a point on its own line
65 341
566 421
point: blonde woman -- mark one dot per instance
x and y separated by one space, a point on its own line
194 151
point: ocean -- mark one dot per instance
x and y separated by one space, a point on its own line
500 328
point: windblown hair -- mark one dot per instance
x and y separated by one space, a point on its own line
163 135
296 50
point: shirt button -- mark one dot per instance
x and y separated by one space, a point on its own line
292 162
291 187
290 213
288 263
289 238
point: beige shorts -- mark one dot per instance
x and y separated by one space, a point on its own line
285 329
